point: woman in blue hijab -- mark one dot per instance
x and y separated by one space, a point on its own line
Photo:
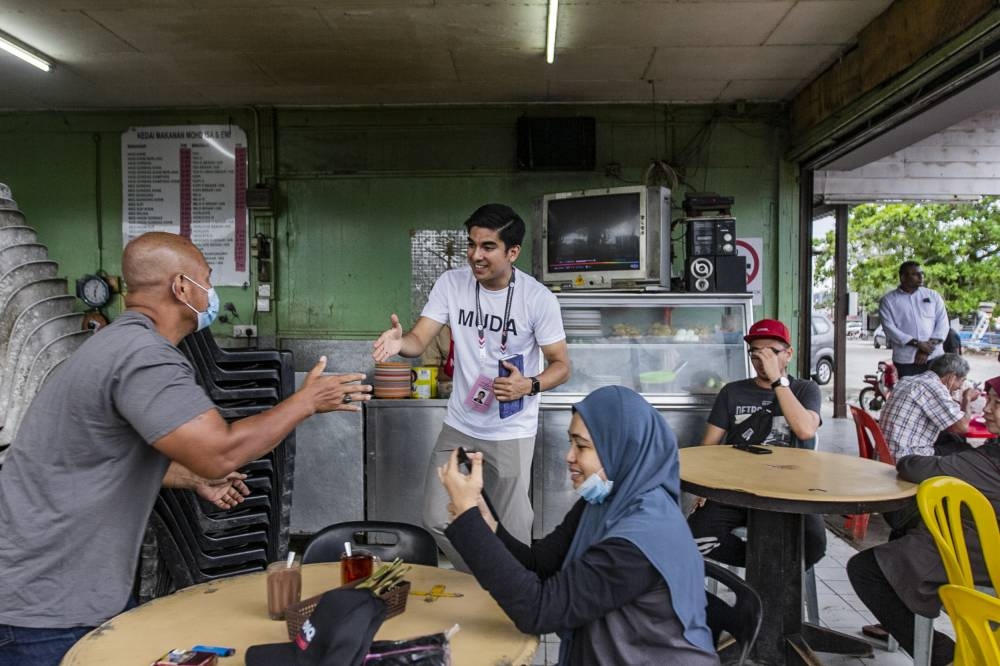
620 580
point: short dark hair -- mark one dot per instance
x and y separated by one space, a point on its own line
908 264
508 224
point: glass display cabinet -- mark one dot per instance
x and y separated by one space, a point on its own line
677 350
677 345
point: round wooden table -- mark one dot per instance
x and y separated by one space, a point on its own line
233 613
777 489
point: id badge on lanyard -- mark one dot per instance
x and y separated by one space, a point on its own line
481 396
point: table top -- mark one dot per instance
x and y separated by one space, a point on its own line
233 612
793 480
977 429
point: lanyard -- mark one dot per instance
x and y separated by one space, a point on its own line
481 319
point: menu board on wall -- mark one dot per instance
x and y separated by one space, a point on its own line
190 180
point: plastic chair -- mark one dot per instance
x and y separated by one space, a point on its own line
871 445
412 543
940 500
808 584
742 619
973 615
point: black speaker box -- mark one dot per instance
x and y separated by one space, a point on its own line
567 144
710 236
731 274
724 274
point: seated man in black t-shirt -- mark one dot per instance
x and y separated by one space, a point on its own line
795 404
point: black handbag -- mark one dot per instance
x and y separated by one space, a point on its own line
752 430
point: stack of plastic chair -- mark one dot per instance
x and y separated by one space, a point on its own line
38 328
197 541
941 500
871 445
975 616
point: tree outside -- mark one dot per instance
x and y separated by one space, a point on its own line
958 246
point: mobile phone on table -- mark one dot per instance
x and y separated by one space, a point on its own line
463 461
753 448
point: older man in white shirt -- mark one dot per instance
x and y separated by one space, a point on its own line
914 320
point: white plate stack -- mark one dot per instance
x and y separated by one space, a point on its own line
582 323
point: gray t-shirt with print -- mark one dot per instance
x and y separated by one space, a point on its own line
738 400
81 478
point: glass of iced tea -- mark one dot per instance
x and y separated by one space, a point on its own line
359 564
284 587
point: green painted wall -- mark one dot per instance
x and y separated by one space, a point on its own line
352 183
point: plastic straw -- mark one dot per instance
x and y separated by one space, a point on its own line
291 558
347 548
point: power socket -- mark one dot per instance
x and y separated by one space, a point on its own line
244 331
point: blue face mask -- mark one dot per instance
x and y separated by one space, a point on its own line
595 489
205 318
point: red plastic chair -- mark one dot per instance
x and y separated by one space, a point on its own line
871 445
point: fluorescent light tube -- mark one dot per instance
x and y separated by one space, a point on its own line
550 36
24 54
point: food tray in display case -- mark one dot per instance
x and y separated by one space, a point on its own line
658 344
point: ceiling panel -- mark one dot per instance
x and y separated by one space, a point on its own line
826 22
673 24
597 64
350 67
88 5
499 25
701 91
64 35
740 62
307 52
188 69
171 30
759 90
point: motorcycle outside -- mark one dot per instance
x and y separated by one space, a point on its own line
872 398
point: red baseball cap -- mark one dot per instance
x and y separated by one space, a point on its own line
771 329
993 385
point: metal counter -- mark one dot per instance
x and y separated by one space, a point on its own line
400 435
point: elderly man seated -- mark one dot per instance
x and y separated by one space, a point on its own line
901 577
921 418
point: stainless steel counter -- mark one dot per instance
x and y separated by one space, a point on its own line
400 436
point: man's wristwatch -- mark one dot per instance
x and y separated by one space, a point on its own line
536 386
780 381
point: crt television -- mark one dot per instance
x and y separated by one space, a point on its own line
606 238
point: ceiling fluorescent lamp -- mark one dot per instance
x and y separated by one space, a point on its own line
15 49
550 35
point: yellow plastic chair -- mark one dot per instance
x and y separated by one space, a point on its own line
973 615
940 500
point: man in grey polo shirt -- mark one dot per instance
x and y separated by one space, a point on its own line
118 419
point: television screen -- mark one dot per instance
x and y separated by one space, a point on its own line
594 233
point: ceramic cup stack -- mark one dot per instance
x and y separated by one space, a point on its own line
392 380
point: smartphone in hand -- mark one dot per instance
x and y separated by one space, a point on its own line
463 461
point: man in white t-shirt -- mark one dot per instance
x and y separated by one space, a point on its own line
495 311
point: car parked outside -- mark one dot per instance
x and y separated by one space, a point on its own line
821 358
879 339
